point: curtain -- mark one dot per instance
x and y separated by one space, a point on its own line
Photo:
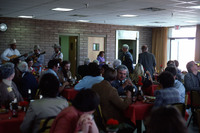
197 46
159 46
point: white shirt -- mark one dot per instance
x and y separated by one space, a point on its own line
9 52
58 55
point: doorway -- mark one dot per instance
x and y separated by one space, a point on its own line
95 45
69 45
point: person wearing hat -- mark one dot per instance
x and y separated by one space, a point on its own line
57 54
8 89
37 57
11 52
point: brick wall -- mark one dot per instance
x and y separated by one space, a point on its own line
29 32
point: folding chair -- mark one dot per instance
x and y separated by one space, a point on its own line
45 124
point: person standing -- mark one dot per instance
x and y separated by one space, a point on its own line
127 58
11 52
101 58
147 60
57 54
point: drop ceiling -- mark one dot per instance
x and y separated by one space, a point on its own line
154 13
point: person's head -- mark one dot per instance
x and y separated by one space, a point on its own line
56 48
139 69
110 74
104 67
49 85
29 61
192 67
166 79
96 61
66 65
176 63
86 61
94 69
172 70
166 119
122 72
86 100
13 44
54 64
116 63
101 53
23 66
144 48
36 49
171 63
16 61
125 47
7 71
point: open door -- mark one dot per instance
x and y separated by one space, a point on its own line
69 50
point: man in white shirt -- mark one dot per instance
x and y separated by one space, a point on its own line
11 52
57 54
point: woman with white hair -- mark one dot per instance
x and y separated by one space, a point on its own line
8 89
28 82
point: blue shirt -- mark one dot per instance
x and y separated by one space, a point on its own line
166 96
181 89
88 82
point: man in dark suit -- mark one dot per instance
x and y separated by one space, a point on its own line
147 60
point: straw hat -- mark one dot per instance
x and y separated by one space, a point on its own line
56 46
13 41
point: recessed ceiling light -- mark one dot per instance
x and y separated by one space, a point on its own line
191 21
128 15
62 9
26 16
194 7
83 20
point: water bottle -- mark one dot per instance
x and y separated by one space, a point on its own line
14 108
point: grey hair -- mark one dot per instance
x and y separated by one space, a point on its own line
96 61
23 66
189 66
116 63
6 70
86 61
125 46
122 68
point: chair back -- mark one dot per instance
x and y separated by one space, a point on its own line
98 117
195 99
45 124
180 107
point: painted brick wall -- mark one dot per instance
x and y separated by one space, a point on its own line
29 32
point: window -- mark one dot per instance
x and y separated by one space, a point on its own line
182 45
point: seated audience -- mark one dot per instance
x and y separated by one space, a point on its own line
172 63
64 74
92 78
166 120
177 64
103 69
122 83
18 74
28 81
50 105
177 84
168 94
53 67
116 63
83 69
8 89
78 117
192 78
112 106
139 71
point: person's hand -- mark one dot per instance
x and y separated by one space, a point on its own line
128 94
85 122
148 73
128 82
66 83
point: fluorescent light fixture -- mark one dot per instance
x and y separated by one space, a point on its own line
191 21
62 9
83 20
26 16
194 7
128 15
